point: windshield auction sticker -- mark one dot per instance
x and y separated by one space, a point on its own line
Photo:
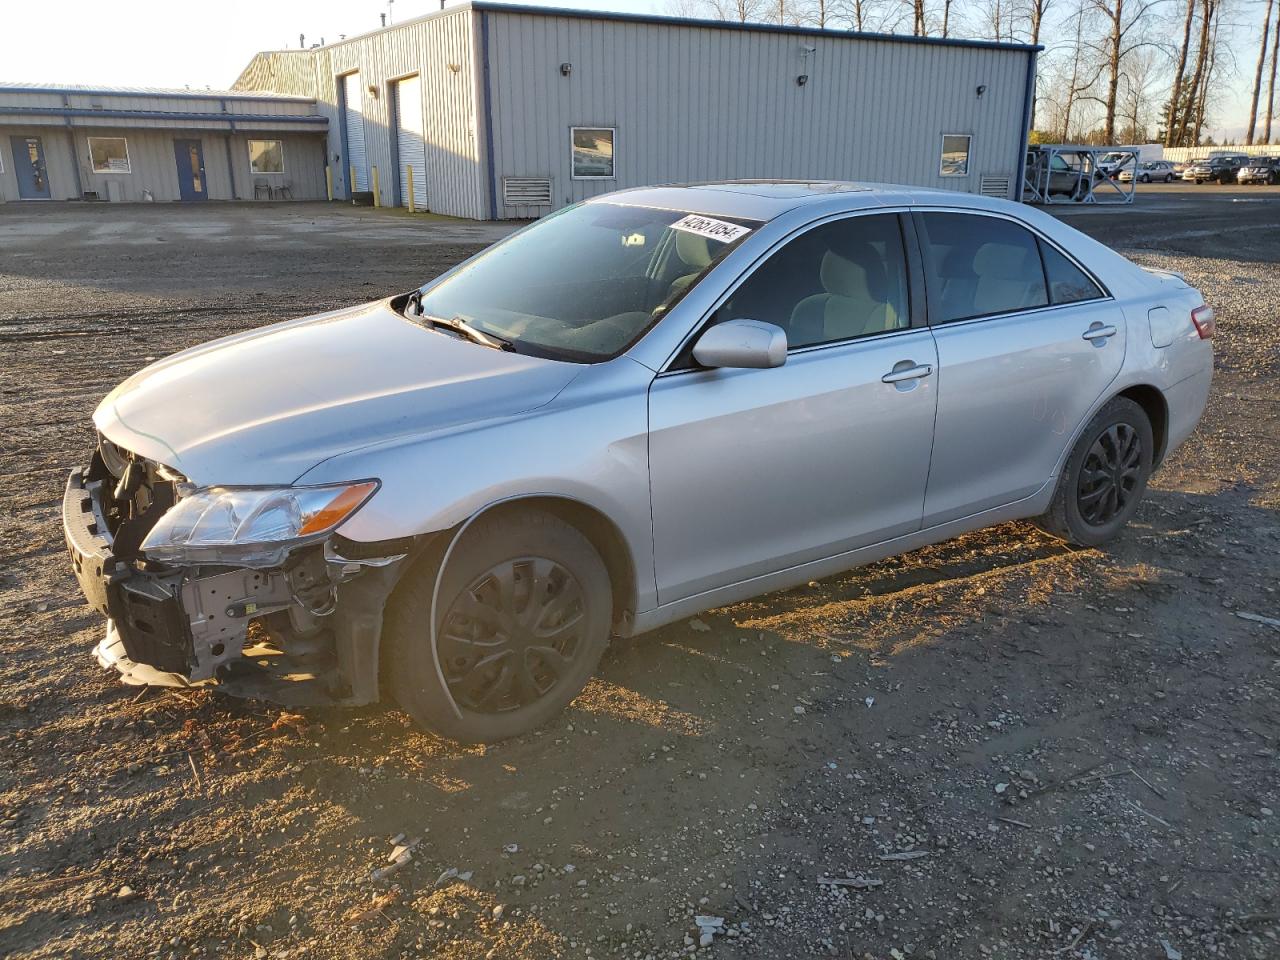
710 228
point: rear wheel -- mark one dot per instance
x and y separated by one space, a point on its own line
524 615
1104 477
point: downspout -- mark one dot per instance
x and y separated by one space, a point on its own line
1027 107
490 167
75 150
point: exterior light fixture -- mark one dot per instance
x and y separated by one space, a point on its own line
802 80
566 69
982 88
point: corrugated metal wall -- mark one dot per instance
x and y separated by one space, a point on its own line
58 159
441 51
153 171
693 103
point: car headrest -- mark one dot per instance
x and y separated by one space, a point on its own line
856 271
957 264
1002 261
692 249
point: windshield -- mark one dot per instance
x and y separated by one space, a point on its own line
586 282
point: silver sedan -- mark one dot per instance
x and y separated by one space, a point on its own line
644 406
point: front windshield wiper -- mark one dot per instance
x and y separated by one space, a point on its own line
457 324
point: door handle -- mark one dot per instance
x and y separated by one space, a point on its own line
897 374
1099 332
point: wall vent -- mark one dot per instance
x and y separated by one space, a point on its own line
526 191
994 187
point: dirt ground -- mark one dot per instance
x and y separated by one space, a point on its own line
998 747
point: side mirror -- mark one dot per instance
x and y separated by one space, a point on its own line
742 343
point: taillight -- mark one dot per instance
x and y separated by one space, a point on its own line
1206 326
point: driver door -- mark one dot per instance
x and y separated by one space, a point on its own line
756 470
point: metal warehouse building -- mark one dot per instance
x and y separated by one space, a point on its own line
63 143
499 111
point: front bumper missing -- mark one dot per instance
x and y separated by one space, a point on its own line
318 618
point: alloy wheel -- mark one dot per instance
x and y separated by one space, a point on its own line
509 637
1110 474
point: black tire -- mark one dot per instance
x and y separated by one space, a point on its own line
506 576
1168 178
1083 512
1145 178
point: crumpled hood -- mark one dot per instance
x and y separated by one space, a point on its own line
266 406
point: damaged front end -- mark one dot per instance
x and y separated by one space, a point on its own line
296 620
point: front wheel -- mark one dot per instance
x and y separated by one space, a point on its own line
525 608
1104 477
1144 179
1168 178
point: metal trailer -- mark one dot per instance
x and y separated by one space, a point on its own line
526 109
1070 173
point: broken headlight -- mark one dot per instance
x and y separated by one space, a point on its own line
251 526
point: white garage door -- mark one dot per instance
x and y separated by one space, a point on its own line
353 122
411 147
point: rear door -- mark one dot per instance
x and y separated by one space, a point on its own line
1027 342
754 471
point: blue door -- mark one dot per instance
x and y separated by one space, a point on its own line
28 164
190 157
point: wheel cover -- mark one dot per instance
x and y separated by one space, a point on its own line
1110 474
509 637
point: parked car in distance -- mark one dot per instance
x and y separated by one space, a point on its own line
647 405
1116 162
1260 170
1149 171
1221 168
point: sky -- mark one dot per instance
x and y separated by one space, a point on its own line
159 43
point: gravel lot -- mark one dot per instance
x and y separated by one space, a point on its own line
996 747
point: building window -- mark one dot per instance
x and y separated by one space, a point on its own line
955 155
593 153
109 154
266 156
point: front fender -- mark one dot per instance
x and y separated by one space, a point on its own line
590 445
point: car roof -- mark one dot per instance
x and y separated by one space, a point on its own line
765 200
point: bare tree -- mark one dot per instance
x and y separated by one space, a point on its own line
875 16
1192 94
1179 71
1271 86
1074 75
1138 84
1125 20
1257 74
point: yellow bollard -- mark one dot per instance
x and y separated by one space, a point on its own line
328 182
351 184
377 198
409 171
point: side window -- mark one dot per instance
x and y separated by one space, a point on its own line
979 266
841 280
1067 282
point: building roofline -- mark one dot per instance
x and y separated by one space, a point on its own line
488 6
283 119
149 92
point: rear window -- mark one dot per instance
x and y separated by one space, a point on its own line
1067 282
